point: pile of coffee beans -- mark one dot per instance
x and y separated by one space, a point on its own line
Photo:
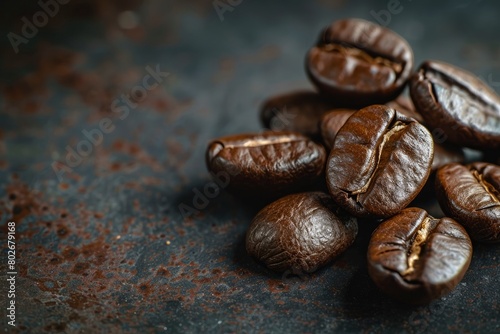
358 149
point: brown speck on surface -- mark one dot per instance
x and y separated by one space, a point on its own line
62 231
89 258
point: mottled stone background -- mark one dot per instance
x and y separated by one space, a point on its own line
102 245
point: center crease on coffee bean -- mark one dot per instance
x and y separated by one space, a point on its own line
417 245
460 97
263 142
487 187
396 128
363 55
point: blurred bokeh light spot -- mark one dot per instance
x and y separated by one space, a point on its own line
128 19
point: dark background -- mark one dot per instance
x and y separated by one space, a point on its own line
104 246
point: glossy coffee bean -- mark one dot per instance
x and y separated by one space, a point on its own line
405 106
300 233
445 154
359 63
269 161
458 103
471 195
380 161
416 258
297 111
331 123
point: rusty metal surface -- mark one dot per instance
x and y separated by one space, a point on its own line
102 245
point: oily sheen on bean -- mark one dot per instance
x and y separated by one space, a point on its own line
274 161
298 111
405 106
444 152
471 195
416 258
359 63
331 123
458 103
380 161
300 233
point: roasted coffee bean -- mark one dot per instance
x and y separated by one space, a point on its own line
458 103
297 111
415 258
359 63
331 123
270 161
380 161
445 154
471 195
406 107
300 233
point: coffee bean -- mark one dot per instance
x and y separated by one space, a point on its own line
331 123
269 162
458 103
471 195
380 161
445 154
416 258
405 106
297 111
359 63
300 233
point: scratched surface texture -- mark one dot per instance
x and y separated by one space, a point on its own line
101 243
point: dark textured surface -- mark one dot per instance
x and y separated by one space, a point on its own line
106 248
